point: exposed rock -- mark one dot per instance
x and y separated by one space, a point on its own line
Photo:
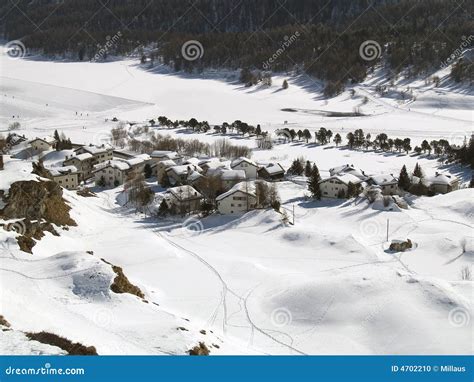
400 246
39 204
121 283
200 349
4 322
42 200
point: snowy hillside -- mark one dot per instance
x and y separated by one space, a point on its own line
249 283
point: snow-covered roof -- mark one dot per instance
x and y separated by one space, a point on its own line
194 176
64 170
440 178
384 179
184 193
344 178
80 157
245 187
238 161
274 168
226 174
139 159
183 169
194 161
212 164
165 154
347 169
49 140
167 163
117 164
94 150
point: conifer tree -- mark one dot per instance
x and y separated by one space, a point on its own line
404 180
313 183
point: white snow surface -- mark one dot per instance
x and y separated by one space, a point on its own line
326 285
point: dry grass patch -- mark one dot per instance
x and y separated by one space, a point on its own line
72 348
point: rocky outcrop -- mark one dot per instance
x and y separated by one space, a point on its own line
401 246
121 284
36 207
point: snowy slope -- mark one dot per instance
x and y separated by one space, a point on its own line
327 285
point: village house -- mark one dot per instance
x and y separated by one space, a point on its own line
162 166
15 139
180 174
240 198
272 172
162 155
183 199
441 183
228 177
211 164
42 144
336 186
112 173
348 169
100 154
388 183
66 176
247 165
139 162
83 163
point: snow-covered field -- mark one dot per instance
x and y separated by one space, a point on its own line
326 285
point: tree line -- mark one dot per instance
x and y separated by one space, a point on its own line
244 36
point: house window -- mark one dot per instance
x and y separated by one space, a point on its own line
232 205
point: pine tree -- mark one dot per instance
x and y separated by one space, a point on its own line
307 169
285 84
163 210
296 168
148 171
404 180
313 183
417 171
337 139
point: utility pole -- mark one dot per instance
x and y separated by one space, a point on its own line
388 225
293 214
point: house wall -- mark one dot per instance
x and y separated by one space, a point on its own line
40 145
331 188
227 184
68 181
250 170
238 202
111 176
390 189
84 167
184 206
